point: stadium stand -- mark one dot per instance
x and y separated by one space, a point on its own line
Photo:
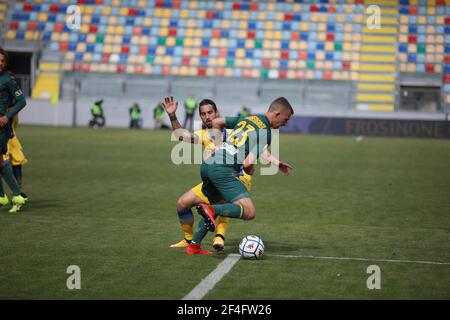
307 44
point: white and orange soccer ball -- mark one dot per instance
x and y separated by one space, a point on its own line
251 247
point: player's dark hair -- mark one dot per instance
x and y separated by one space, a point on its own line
280 104
5 54
205 102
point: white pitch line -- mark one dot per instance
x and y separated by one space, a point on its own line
210 281
361 259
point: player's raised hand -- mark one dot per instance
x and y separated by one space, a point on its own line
170 105
286 168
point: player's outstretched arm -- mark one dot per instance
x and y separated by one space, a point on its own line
285 167
170 105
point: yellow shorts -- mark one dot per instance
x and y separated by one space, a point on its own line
197 190
15 152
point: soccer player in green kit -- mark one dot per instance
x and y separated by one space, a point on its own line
250 137
10 95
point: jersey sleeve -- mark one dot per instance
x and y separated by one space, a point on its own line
19 98
231 122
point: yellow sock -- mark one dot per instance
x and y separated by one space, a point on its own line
188 229
222 225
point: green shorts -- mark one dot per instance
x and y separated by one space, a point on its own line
221 182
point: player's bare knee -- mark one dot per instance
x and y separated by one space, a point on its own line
249 213
182 204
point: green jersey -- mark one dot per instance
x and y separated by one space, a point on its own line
251 134
135 113
191 105
12 99
158 113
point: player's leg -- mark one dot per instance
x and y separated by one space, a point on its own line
203 224
18 159
184 205
7 175
3 197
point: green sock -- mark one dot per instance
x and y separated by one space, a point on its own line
229 210
200 232
8 176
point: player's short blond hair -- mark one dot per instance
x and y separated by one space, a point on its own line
281 104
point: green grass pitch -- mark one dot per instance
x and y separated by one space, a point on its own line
104 200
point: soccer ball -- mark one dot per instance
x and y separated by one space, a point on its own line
251 247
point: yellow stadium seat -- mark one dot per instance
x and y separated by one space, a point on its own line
109 38
219 5
242 34
240 53
340 18
46 87
164 22
147 22
193 4
11 34
64 37
81 47
42 17
123 11
346 56
404 19
91 38
106 10
431 30
321 36
355 56
356 37
403 57
163 32
171 41
279 16
107 48
422 20
329 46
358 18
88 9
86 19
239 63
430 48
56 36
112 21
84 28
431 38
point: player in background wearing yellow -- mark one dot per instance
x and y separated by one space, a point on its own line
208 112
15 155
